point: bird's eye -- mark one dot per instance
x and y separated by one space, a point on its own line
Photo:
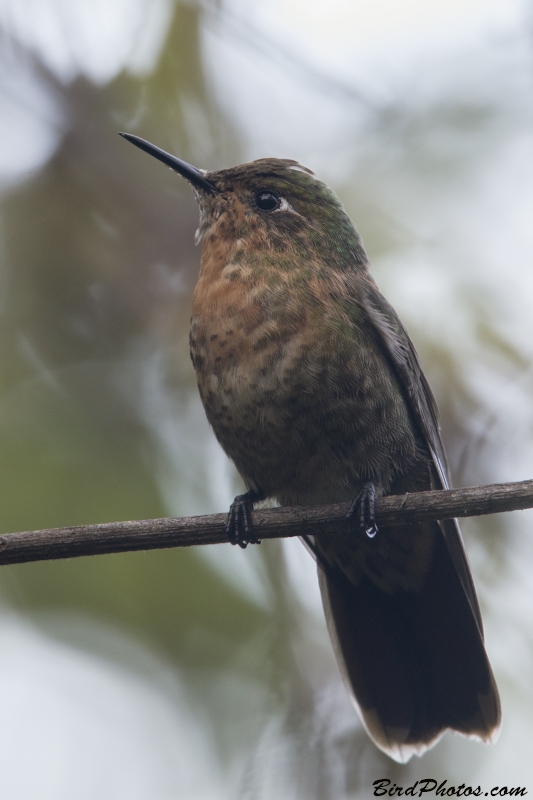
267 201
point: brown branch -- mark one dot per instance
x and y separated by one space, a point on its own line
154 534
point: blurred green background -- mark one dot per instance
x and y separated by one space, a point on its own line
188 674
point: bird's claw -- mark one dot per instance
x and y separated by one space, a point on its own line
240 528
364 507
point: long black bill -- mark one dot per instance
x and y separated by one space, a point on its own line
193 175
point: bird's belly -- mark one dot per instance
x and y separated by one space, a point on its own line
301 424
307 420
298 440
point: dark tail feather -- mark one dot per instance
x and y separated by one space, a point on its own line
414 661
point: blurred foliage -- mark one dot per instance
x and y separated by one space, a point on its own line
98 265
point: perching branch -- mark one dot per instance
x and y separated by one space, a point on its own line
154 534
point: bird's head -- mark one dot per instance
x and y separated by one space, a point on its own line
273 204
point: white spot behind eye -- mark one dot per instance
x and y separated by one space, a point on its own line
285 206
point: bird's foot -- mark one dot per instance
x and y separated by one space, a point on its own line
363 509
240 528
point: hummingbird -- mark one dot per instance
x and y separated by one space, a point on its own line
315 391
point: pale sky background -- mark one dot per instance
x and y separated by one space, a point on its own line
379 48
370 43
